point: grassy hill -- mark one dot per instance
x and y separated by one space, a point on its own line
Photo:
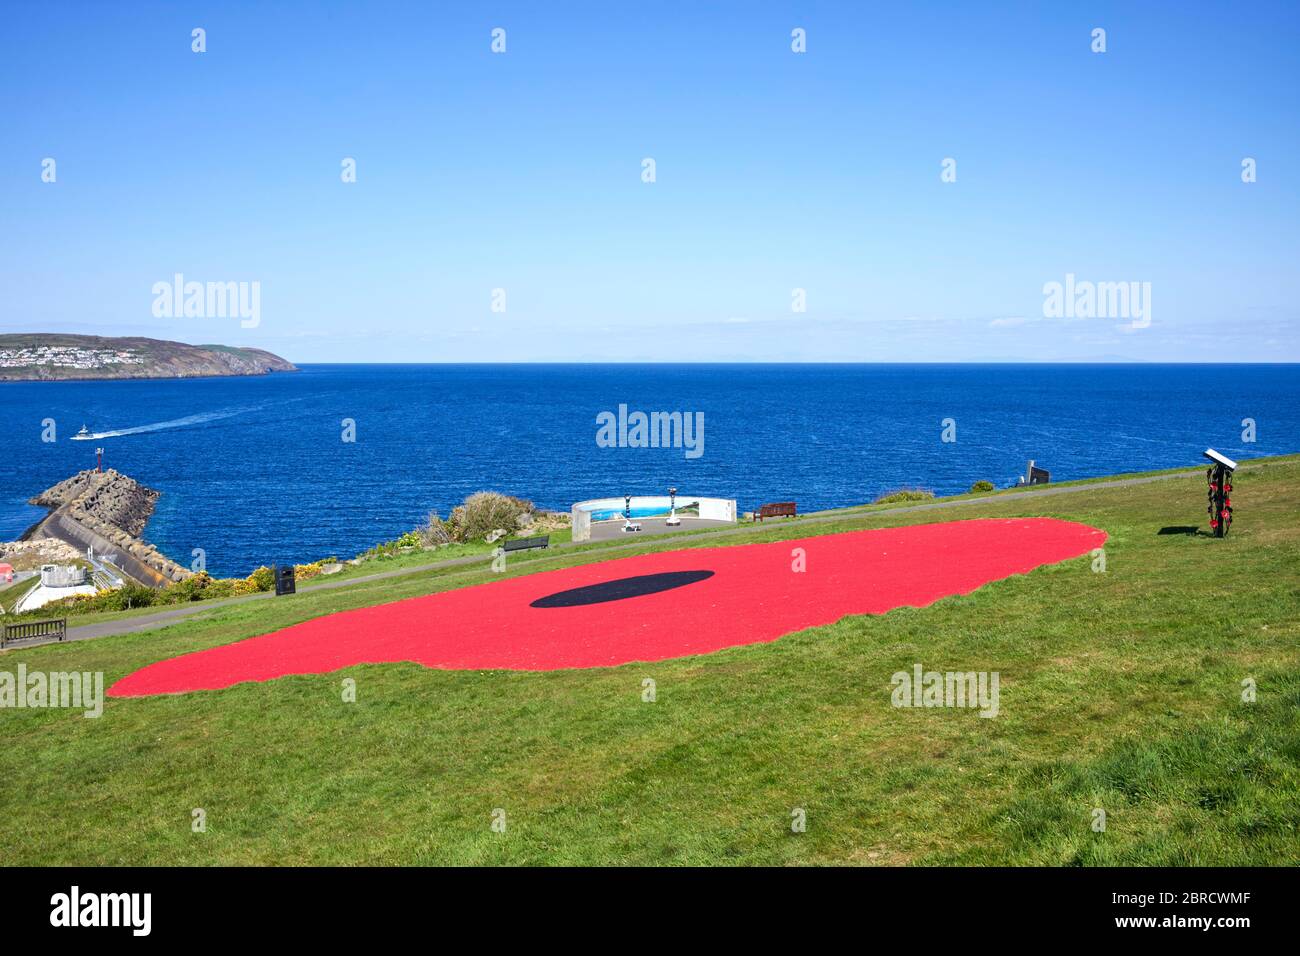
1120 690
56 357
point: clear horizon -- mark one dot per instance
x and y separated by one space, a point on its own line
775 171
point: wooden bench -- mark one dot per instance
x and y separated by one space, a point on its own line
524 544
34 631
1035 475
778 509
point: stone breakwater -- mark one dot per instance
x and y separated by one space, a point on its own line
114 508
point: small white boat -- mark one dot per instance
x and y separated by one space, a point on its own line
83 435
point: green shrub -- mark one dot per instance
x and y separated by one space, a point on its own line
386 549
435 531
193 588
221 588
982 486
904 494
202 587
263 579
127 597
198 587
305 572
485 511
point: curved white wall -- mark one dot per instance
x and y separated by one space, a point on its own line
611 509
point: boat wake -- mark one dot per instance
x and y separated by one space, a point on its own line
173 423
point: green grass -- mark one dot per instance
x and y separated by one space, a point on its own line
79 615
447 552
1119 691
904 496
10 594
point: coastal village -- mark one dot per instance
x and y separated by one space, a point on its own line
66 356
47 357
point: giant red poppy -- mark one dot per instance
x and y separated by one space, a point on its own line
644 608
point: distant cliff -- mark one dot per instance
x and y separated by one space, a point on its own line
39 357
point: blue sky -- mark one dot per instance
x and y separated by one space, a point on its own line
775 171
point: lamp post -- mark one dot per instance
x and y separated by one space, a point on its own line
672 520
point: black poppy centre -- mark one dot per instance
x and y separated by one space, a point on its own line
621 589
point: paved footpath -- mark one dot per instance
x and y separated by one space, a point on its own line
148 622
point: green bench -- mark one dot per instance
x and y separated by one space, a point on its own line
524 544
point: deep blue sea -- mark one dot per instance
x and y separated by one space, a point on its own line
254 470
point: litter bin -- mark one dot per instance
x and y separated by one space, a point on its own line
284 580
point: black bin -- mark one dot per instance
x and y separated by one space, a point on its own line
284 580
